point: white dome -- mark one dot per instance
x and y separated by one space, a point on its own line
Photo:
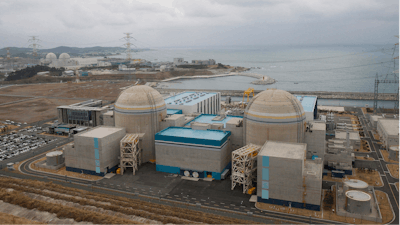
64 56
51 56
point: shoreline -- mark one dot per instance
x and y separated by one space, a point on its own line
262 80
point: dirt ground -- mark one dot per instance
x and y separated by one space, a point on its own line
372 178
34 110
397 185
10 219
394 170
327 213
385 155
103 90
7 99
364 147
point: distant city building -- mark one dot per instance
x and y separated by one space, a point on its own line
203 62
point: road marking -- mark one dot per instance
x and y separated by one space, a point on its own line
194 198
176 195
118 185
243 206
202 200
232 204
222 203
212 202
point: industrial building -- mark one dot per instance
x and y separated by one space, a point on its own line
87 113
394 153
315 139
234 124
274 115
352 136
95 151
195 102
197 153
285 177
139 109
388 130
64 60
309 103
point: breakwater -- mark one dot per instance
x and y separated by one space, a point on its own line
319 94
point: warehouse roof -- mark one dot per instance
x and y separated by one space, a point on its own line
208 118
308 102
188 98
391 126
283 150
189 136
100 132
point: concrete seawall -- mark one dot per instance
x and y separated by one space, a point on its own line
320 94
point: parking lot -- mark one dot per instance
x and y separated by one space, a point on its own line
22 141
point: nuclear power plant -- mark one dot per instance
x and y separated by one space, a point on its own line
277 150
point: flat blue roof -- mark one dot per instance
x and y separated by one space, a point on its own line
174 111
190 136
207 118
308 102
188 98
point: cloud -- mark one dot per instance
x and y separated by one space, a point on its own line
198 23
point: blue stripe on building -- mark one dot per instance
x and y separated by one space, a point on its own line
202 174
287 203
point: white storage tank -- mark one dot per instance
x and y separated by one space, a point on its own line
10 166
394 153
354 184
358 202
54 158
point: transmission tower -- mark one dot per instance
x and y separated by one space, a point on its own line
128 45
395 80
34 45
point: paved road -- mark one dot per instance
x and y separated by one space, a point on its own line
388 181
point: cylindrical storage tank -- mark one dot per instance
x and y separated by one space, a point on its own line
54 158
140 109
274 115
358 202
10 166
354 184
394 153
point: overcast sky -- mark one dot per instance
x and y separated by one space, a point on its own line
191 23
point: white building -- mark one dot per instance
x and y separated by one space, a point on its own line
388 130
195 102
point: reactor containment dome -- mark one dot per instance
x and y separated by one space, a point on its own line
140 109
274 115
51 56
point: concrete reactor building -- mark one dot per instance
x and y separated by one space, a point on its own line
274 115
140 109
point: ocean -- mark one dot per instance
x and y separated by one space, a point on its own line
337 68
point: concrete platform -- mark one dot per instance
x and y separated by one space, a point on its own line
109 175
